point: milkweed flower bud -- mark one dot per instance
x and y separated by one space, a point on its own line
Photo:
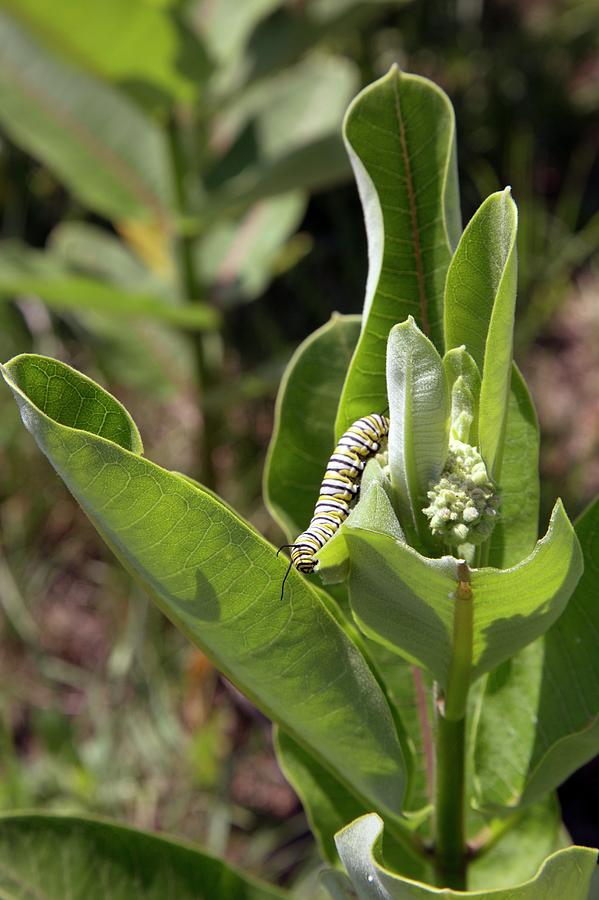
464 502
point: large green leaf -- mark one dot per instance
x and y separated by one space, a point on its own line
506 713
24 271
399 134
217 579
406 601
303 434
566 873
330 807
50 857
419 413
551 692
407 687
516 849
508 718
327 803
94 139
480 299
516 532
132 42
410 690
512 853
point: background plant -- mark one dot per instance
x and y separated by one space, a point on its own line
339 699
523 84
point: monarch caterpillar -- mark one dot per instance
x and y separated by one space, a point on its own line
340 486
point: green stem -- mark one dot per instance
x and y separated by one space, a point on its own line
458 682
450 814
190 286
450 783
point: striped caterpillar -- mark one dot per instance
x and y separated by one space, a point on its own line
340 486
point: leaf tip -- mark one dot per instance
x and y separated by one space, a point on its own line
506 195
558 512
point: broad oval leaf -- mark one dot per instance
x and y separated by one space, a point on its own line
566 873
480 300
303 433
406 600
217 579
400 136
517 848
515 606
419 430
406 687
329 807
552 693
507 718
93 138
52 857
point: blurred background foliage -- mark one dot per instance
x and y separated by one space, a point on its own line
177 213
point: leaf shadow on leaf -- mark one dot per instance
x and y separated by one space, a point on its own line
422 628
551 693
527 628
500 676
206 603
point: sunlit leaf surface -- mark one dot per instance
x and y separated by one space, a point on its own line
399 134
217 579
58 857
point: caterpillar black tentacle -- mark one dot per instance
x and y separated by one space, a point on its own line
340 487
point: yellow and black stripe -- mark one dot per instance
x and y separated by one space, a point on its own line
339 488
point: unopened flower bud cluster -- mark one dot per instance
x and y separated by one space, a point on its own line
464 502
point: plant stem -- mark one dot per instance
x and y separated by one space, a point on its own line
458 682
189 282
450 783
450 831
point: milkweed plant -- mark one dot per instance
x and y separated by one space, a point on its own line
432 672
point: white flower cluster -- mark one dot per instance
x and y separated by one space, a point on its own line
464 502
